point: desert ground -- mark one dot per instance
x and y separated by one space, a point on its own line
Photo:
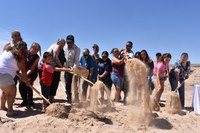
80 119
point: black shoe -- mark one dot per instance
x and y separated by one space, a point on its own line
69 100
23 104
31 104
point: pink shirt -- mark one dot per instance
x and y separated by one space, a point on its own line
162 67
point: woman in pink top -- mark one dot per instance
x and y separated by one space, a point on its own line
160 73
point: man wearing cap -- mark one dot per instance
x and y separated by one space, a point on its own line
72 54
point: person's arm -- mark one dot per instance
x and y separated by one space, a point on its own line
104 74
167 73
91 63
51 69
177 72
117 61
56 52
77 55
33 67
65 69
158 77
24 77
188 70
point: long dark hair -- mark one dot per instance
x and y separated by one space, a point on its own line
18 50
147 55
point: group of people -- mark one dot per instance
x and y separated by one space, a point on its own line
18 63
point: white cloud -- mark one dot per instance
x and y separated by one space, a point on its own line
4 38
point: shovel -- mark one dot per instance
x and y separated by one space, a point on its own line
37 92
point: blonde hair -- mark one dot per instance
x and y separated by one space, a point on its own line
37 45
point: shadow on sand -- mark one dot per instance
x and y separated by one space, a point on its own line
161 124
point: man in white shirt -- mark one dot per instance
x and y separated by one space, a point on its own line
72 54
128 50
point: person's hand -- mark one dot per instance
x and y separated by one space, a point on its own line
186 76
71 69
159 87
179 84
27 83
99 76
90 77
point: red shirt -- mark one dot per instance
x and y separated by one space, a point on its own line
47 74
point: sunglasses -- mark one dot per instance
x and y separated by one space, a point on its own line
104 56
129 46
17 35
69 42
86 55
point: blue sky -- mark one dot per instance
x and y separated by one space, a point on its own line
155 25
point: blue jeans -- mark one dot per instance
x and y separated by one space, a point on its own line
181 90
117 80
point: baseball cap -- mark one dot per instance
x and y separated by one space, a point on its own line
70 38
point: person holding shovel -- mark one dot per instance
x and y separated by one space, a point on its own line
72 54
88 63
32 59
160 73
178 74
11 60
58 61
47 76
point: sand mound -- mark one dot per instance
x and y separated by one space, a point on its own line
58 110
173 103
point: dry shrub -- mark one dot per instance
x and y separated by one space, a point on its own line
173 103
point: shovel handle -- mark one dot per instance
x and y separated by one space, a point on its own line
90 82
40 94
36 91
179 87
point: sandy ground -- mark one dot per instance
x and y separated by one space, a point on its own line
116 119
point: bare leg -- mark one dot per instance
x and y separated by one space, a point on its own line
160 91
3 101
117 94
155 90
10 93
